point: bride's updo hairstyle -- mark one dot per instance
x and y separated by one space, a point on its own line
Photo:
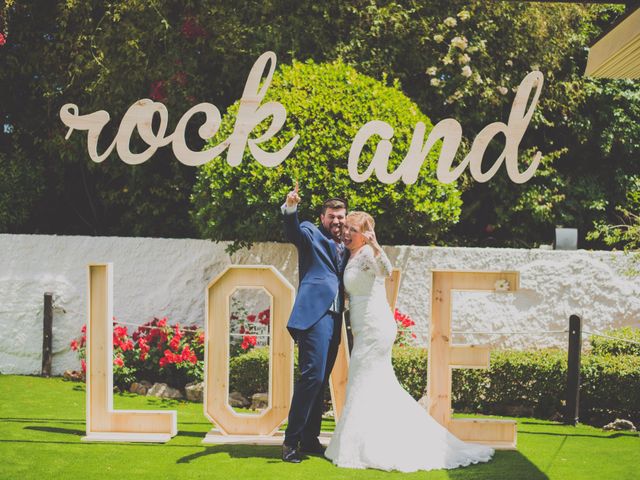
363 220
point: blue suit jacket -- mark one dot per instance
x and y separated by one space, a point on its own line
320 272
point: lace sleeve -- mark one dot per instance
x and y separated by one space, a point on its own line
380 264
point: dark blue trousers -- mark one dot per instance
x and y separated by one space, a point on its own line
317 349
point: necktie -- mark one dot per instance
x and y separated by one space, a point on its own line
336 305
340 252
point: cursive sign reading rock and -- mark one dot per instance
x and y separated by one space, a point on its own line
252 112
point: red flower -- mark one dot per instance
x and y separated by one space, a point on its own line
3 39
251 318
188 356
84 329
143 356
191 29
128 345
175 342
242 329
118 362
248 340
169 357
177 335
120 332
83 364
74 345
144 346
264 317
201 338
159 94
162 322
407 322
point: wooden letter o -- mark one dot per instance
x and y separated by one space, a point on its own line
216 392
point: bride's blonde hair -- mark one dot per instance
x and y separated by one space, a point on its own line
364 221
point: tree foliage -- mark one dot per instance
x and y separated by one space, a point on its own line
464 60
459 59
326 104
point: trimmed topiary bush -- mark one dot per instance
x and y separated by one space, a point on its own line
326 105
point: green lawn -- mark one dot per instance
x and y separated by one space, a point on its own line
42 421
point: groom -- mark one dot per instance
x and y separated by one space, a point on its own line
316 319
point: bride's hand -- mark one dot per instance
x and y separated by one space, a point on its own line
370 238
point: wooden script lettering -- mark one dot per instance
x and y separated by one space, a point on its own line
140 115
443 356
103 422
450 132
251 113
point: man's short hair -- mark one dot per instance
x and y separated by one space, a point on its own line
334 203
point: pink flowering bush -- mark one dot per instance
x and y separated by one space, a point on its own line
247 330
156 352
405 336
79 345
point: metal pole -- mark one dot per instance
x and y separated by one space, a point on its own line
47 334
573 370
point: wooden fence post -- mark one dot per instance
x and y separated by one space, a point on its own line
47 334
573 370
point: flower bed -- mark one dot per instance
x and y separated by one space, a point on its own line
156 352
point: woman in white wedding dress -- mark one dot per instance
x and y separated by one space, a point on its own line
381 425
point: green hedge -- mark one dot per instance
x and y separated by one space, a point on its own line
606 346
610 388
520 383
249 372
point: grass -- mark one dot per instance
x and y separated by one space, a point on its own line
42 421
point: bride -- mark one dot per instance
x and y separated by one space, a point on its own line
381 425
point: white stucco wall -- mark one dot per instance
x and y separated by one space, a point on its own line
167 277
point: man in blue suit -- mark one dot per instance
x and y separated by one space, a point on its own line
316 319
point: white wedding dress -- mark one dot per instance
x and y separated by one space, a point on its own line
381 425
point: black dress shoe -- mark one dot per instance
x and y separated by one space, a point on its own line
290 454
312 449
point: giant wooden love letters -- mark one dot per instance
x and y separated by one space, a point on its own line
106 424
